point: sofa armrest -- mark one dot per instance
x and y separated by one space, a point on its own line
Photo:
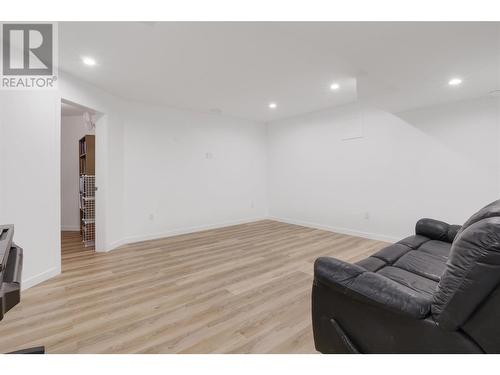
371 288
436 230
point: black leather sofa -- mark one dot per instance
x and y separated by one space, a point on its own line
435 292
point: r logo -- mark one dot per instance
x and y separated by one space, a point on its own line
27 49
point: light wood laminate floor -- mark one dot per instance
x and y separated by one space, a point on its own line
239 289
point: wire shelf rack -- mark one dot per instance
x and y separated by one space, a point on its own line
87 208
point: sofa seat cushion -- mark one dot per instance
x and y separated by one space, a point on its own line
413 281
416 262
424 264
439 248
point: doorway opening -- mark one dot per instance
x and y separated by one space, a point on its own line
78 174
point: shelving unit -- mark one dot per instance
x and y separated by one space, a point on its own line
86 147
87 189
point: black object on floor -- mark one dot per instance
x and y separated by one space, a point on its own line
11 267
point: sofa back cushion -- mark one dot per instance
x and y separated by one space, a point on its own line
473 269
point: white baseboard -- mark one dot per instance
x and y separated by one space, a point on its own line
70 228
177 232
113 245
350 232
37 279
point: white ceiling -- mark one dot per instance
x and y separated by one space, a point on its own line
239 68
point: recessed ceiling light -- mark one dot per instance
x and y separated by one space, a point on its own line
272 105
334 86
454 82
89 61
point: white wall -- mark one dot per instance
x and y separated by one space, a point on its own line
440 162
72 129
186 171
29 178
